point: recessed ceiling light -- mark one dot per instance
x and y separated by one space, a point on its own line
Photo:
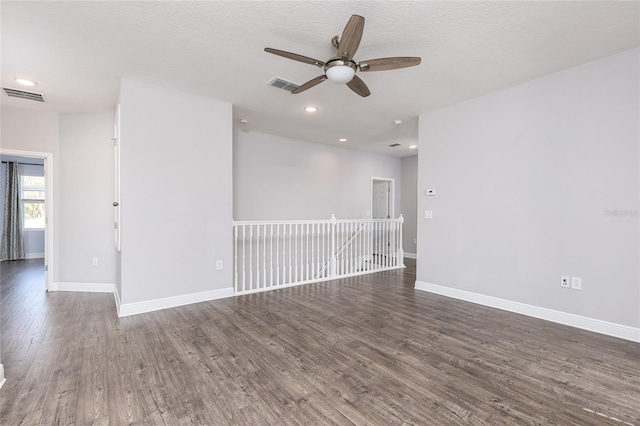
342 140
25 82
413 146
311 109
397 122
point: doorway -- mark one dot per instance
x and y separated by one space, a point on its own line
381 208
381 198
30 158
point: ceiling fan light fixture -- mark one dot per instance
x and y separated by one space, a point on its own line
340 74
340 71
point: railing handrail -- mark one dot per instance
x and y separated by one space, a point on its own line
304 221
277 222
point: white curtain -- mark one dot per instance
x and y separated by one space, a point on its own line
12 240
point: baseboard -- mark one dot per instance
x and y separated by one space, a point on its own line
410 255
2 379
34 256
26 257
136 308
585 323
88 287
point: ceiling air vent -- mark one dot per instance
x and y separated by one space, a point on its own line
15 93
283 84
393 145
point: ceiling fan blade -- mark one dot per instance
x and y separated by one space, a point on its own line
358 86
350 38
295 57
309 84
384 64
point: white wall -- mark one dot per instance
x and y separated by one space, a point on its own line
85 202
176 171
277 178
525 178
33 238
35 131
409 203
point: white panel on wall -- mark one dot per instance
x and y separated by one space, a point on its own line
409 203
86 166
176 198
529 181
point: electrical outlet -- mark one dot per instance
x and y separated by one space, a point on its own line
576 283
218 264
564 282
94 261
415 241
428 214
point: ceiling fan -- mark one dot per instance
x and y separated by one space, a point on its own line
342 68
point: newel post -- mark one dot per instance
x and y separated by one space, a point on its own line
400 251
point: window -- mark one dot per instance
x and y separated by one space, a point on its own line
32 196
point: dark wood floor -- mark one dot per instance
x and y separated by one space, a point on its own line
368 351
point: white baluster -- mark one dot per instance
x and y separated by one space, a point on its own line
290 252
307 254
377 244
264 255
271 258
324 252
235 258
387 244
313 250
250 257
278 254
333 262
258 256
295 254
400 243
350 247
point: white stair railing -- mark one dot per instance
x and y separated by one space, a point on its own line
278 254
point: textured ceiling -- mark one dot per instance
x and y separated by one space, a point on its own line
78 51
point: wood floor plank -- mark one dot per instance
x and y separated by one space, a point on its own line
368 350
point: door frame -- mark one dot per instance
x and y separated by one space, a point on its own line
48 208
392 193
